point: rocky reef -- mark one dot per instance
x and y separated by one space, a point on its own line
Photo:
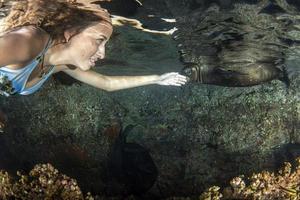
198 135
283 184
46 182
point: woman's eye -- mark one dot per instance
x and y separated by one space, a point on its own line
99 41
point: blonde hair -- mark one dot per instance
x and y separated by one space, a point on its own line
53 16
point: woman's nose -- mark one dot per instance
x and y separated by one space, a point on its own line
101 52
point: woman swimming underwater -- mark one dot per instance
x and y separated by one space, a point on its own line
40 38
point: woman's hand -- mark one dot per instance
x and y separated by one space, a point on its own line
172 78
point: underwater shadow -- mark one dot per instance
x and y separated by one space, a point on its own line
131 168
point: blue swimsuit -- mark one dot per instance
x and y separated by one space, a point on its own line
19 77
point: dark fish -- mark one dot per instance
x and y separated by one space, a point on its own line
131 165
286 153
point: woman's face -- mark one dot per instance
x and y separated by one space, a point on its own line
89 45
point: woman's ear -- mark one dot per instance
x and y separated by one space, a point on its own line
69 33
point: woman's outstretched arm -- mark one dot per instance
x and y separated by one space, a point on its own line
113 83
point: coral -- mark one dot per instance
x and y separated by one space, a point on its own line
263 186
5 185
43 182
212 193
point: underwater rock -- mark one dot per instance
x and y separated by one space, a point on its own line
3 120
62 78
131 164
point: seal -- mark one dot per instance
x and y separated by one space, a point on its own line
246 44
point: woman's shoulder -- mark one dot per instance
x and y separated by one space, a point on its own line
21 45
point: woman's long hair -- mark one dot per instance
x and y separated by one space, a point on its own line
54 16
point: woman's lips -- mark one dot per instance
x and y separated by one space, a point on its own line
94 58
91 62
